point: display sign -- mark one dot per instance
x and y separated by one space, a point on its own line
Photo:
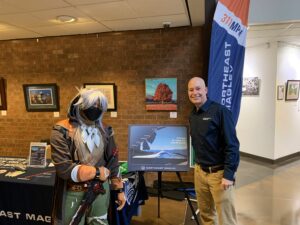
37 154
158 148
227 51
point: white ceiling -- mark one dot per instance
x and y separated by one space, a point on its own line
281 32
37 18
273 20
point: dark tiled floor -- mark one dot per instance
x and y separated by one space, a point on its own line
265 195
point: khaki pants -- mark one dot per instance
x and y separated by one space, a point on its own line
216 205
95 215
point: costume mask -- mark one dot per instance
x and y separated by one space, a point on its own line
92 113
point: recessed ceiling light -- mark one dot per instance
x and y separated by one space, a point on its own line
66 19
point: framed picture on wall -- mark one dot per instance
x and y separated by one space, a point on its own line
250 86
292 90
161 94
41 97
110 92
3 105
280 92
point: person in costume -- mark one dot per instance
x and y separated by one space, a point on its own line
83 149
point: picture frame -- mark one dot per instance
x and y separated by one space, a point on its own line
292 90
37 154
161 94
250 86
3 104
41 97
110 92
280 92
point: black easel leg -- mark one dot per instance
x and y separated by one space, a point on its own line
188 198
158 193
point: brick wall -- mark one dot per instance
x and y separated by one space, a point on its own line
123 58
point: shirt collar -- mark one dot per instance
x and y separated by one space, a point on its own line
204 107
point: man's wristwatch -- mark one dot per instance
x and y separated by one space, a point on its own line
120 190
97 175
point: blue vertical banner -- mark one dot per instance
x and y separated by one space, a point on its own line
227 51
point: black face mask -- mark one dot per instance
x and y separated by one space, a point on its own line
92 113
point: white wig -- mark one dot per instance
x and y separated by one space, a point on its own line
88 97
84 99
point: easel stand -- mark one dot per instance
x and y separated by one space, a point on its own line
159 194
188 198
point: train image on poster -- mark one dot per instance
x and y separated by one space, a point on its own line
158 148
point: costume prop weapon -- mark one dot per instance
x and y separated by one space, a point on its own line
29 177
95 187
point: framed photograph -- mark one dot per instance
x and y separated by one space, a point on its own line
161 94
41 97
110 92
292 90
3 105
280 92
250 86
37 154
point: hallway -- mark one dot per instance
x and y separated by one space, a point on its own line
265 195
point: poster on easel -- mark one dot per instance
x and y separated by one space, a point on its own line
158 147
37 154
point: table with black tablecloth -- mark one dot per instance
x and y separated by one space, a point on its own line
27 198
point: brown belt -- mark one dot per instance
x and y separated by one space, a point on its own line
77 187
212 169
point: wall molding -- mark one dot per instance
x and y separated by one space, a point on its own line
271 162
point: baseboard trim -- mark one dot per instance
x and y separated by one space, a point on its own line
277 162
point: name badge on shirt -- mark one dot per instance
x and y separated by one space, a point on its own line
206 118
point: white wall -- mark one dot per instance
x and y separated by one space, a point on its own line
287 132
268 127
256 124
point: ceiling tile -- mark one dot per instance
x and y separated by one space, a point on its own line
271 31
197 11
49 30
86 28
6 8
17 33
157 21
33 5
293 32
146 8
22 20
128 24
269 27
75 28
109 11
50 15
5 26
283 32
85 2
93 16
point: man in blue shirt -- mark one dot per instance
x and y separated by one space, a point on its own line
216 149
